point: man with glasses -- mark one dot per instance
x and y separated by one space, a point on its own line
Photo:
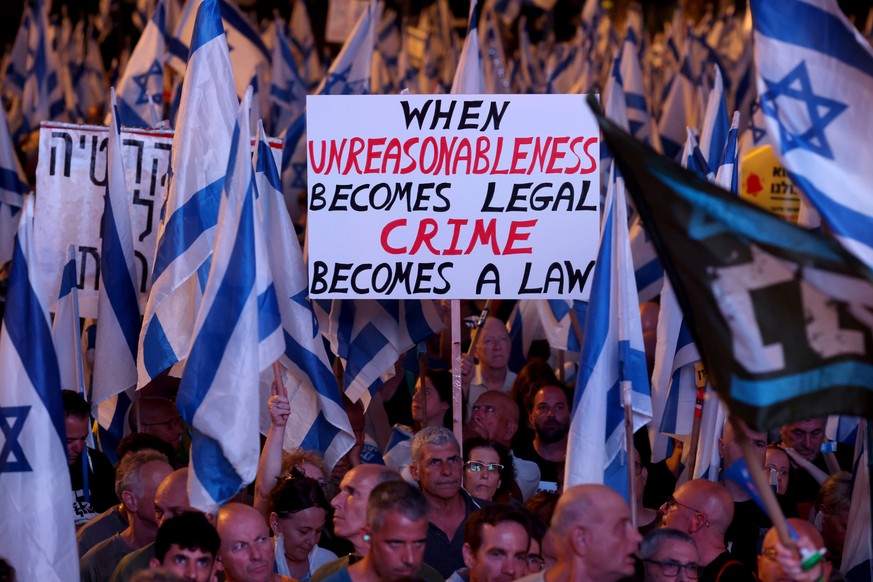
158 417
437 466
669 554
704 510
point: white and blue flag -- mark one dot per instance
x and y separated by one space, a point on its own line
37 532
317 411
303 46
65 330
118 315
287 89
144 74
815 81
612 365
13 187
714 133
186 234
857 562
218 396
469 76
43 96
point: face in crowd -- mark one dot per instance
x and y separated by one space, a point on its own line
551 414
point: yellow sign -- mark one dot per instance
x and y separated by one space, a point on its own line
765 183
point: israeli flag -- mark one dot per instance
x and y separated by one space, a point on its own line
469 76
679 109
287 89
13 187
15 61
37 532
727 175
524 326
303 46
65 329
557 322
144 74
350 72
612 366
226 356
648 272
857 563
118 316
43 96
714 134
189 212
815 81
248 48
317 413
631 78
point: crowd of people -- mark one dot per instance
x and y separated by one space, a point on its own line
492 508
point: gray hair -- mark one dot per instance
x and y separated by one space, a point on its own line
431 435
653 540
398 496
127 476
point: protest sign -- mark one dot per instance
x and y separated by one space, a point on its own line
70 184
452 196
765 183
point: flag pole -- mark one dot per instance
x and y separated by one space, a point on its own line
422 374
479 325
561 366
700 379
761 484
574 323
627 401
457 406
77 339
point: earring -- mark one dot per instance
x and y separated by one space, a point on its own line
366 537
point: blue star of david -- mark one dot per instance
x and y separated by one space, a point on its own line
340 79
141 81
758 133
298 176
302 298
820 110
11 446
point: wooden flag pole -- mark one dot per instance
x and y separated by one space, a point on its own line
457 396
561 366
761 483
479 325
422 375
574 323
700 379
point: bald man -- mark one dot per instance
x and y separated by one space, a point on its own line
246 552
171 500
492 371
773 563
495 417
595 540
704 510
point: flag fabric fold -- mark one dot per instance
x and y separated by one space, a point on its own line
780 315
36 533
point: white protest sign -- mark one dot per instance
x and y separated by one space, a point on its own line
70 184
431 196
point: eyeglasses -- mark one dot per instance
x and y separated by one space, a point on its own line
671 569
672 504
477 467
535 562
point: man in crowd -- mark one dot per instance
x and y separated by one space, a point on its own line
100 495
595 539
492 371
668 555
186 545
496 543
437 466
704 510
550 416
136 482
158 417
772 569
171 500
495 417
246 552
396 533
803 440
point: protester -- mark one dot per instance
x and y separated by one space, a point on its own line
100 495
777 563
396 533
492 370
186 545
542 507
158 417
531 377
595 540
550 415
832 514
496 543
669 554
298 511
245 554
704 510
803 440
777 468
488 470
136 483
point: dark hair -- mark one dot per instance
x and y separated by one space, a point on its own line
542 506
399 496
537 386
296 494
75 404
138 441
507 475
7 572
442 381
532 375
492 515
537 528
190 531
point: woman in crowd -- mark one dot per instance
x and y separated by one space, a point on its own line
488 470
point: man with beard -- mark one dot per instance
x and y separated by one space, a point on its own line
550 416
